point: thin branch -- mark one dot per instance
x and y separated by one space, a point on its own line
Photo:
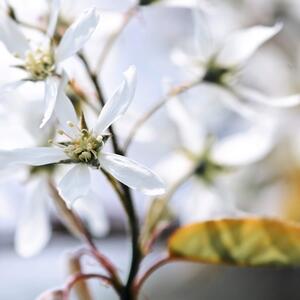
77 278
114 37
172 93
161 262
75 224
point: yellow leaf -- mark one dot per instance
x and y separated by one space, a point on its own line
243 242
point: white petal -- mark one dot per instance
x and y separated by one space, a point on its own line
240 46
119 102
243 148
232 100
91 209
77 34
54 13
132 174
31 156
33 229
256 96
191 134
75 184
12 37
10 87
173 167
204 203
51 92
64 109
203 39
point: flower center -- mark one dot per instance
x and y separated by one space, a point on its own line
85 148
215 74
40 63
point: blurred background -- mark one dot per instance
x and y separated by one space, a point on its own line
270 187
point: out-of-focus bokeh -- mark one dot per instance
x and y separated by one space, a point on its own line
270 187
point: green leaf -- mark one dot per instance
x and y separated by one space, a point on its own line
242 242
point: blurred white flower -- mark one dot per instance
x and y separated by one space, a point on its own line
33 229
207 160
217 63
42 62
84 148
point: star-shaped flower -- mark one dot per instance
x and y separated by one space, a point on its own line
83 147
217 63
42 63
207 160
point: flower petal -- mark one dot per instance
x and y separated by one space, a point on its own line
37 156
119 102
240 46
132 174
174 166
256 96
51 92
192 135
243 148
75 184
64 109
12 37
77 34
10 87
91 209
33 229
204 202
54 13
203 39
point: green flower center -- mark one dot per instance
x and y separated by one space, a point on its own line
40 64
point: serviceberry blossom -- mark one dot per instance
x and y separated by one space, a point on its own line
218 63
42 62
207 159
83 148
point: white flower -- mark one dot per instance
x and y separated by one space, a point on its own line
42 63
84 148
196 154
218 63
33 229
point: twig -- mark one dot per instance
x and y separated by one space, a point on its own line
172 93
75 279
161 262
77 226
113 38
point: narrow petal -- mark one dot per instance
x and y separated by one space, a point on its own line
256 96
203 38
173 167
10 87
243 148
33 229
119 102
12 37
54 13
205 202
240 46
132 174
75 184
77 34
51 92
192 135
64 109
31 156
91 209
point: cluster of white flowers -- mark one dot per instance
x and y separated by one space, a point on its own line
65 133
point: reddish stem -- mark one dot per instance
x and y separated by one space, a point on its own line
139 282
